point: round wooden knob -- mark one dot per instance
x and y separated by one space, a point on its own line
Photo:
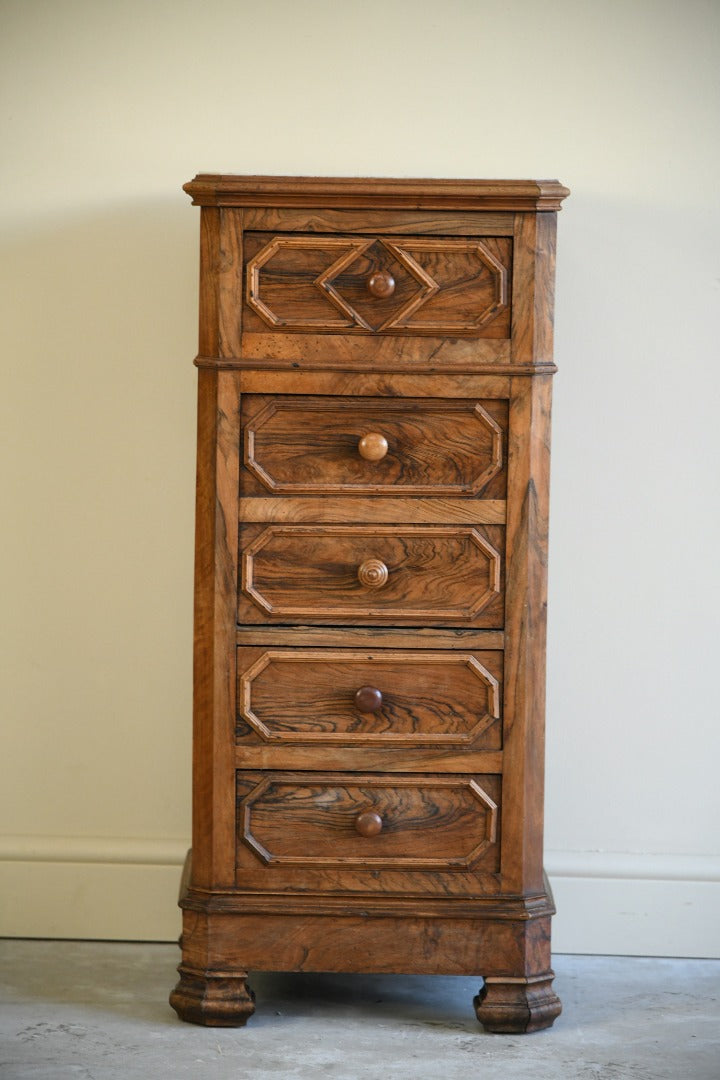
373 573
368 699
373 447
368 824
381 284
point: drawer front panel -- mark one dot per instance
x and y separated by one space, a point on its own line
405 573
378 285
367 822
343 445
331 697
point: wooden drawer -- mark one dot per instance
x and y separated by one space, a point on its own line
366 822
341 697
378 285
410 574
347 445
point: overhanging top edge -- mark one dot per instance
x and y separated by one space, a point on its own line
216 189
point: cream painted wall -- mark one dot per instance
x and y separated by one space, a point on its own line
107 108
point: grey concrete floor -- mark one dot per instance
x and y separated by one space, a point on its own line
98 1011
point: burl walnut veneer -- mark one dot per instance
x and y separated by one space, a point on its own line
373 448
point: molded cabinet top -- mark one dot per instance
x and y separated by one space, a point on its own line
213 189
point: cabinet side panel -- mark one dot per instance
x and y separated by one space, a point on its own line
230 283
533 288
209 261
545 239
216 541
203 653
525 633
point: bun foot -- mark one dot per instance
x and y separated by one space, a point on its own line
213 1000
513 1006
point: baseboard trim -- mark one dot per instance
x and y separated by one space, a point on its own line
635 905
643 867
96 888
125 888
155 851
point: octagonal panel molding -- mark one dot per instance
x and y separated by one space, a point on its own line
445 250
349 250
302 445
434 572
296 820
442 285
319 701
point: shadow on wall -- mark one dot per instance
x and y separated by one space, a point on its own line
100 334
109 285
102 330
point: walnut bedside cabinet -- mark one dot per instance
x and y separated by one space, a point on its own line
375 374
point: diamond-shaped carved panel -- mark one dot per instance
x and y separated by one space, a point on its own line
408 283
430 285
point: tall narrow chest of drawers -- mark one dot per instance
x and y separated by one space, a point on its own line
371 547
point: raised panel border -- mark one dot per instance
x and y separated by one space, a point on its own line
254 300
248 567
403 319
246 679
334 405
352 247
366 861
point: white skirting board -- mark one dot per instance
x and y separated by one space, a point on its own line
114 889
126 889
635 904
